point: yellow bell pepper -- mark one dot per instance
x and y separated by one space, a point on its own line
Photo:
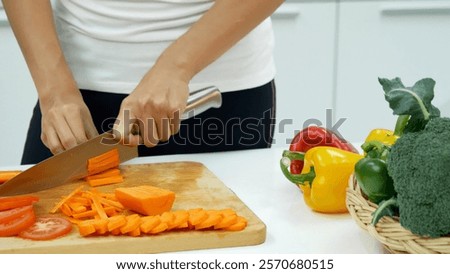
385 136
324 177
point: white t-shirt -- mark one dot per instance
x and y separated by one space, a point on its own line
111 44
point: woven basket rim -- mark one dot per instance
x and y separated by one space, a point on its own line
388 231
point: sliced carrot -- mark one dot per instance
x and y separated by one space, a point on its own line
103 162
75 207
116 222
181 219
149 222
16 201
8 175
86 228
97 206
101 226
214 218
105 174
227 220
105 181
108 202
196 216
87 214
145 199
61 202
239 225
159 228
133 222
135 233
65 209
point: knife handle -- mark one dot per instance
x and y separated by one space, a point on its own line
201 100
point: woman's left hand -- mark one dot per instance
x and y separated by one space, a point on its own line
151 113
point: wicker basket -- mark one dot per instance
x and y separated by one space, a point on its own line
388 231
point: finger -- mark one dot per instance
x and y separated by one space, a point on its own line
175 122
76 125
150 134
51 141
64 133
123 128
163 129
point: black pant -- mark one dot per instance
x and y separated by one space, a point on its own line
246 120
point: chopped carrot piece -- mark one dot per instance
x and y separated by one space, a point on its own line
98 206
145 199
58 205
65 209
213 218
239 225
227 221
8 175
197 216
116 222
133 222
159 228
86 214
101 226
105 181
181 219
111 203
103 162
149 222
86 228
105 174
135 233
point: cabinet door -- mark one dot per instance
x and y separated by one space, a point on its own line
388 39
304 50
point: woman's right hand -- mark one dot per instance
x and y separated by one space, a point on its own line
66 121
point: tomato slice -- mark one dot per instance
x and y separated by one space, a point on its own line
18 224
7 216
16 201
47 228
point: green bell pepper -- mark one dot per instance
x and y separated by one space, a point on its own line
371 172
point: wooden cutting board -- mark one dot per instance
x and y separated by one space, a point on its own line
195 186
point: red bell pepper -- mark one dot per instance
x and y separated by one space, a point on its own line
314 136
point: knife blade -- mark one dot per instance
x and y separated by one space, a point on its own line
71 164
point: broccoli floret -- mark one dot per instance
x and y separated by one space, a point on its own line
419 164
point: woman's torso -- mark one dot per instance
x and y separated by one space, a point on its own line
111 44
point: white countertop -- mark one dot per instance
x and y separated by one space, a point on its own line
256 178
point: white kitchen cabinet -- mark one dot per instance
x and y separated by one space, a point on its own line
406 39
304 56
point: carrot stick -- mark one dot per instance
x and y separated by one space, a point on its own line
7 175
60 203
105 181
105 174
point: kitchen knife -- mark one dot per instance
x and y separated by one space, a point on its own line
71 164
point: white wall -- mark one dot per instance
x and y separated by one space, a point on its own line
17 97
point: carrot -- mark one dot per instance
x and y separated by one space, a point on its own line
116 222
60 203
159 228
105 181
145 199
16 201
8 175
105 174
196 216
149 222
86 228
135 233
181 219
239 225
133 222
103 162
214 218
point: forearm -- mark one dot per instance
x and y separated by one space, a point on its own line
33 26
218 30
